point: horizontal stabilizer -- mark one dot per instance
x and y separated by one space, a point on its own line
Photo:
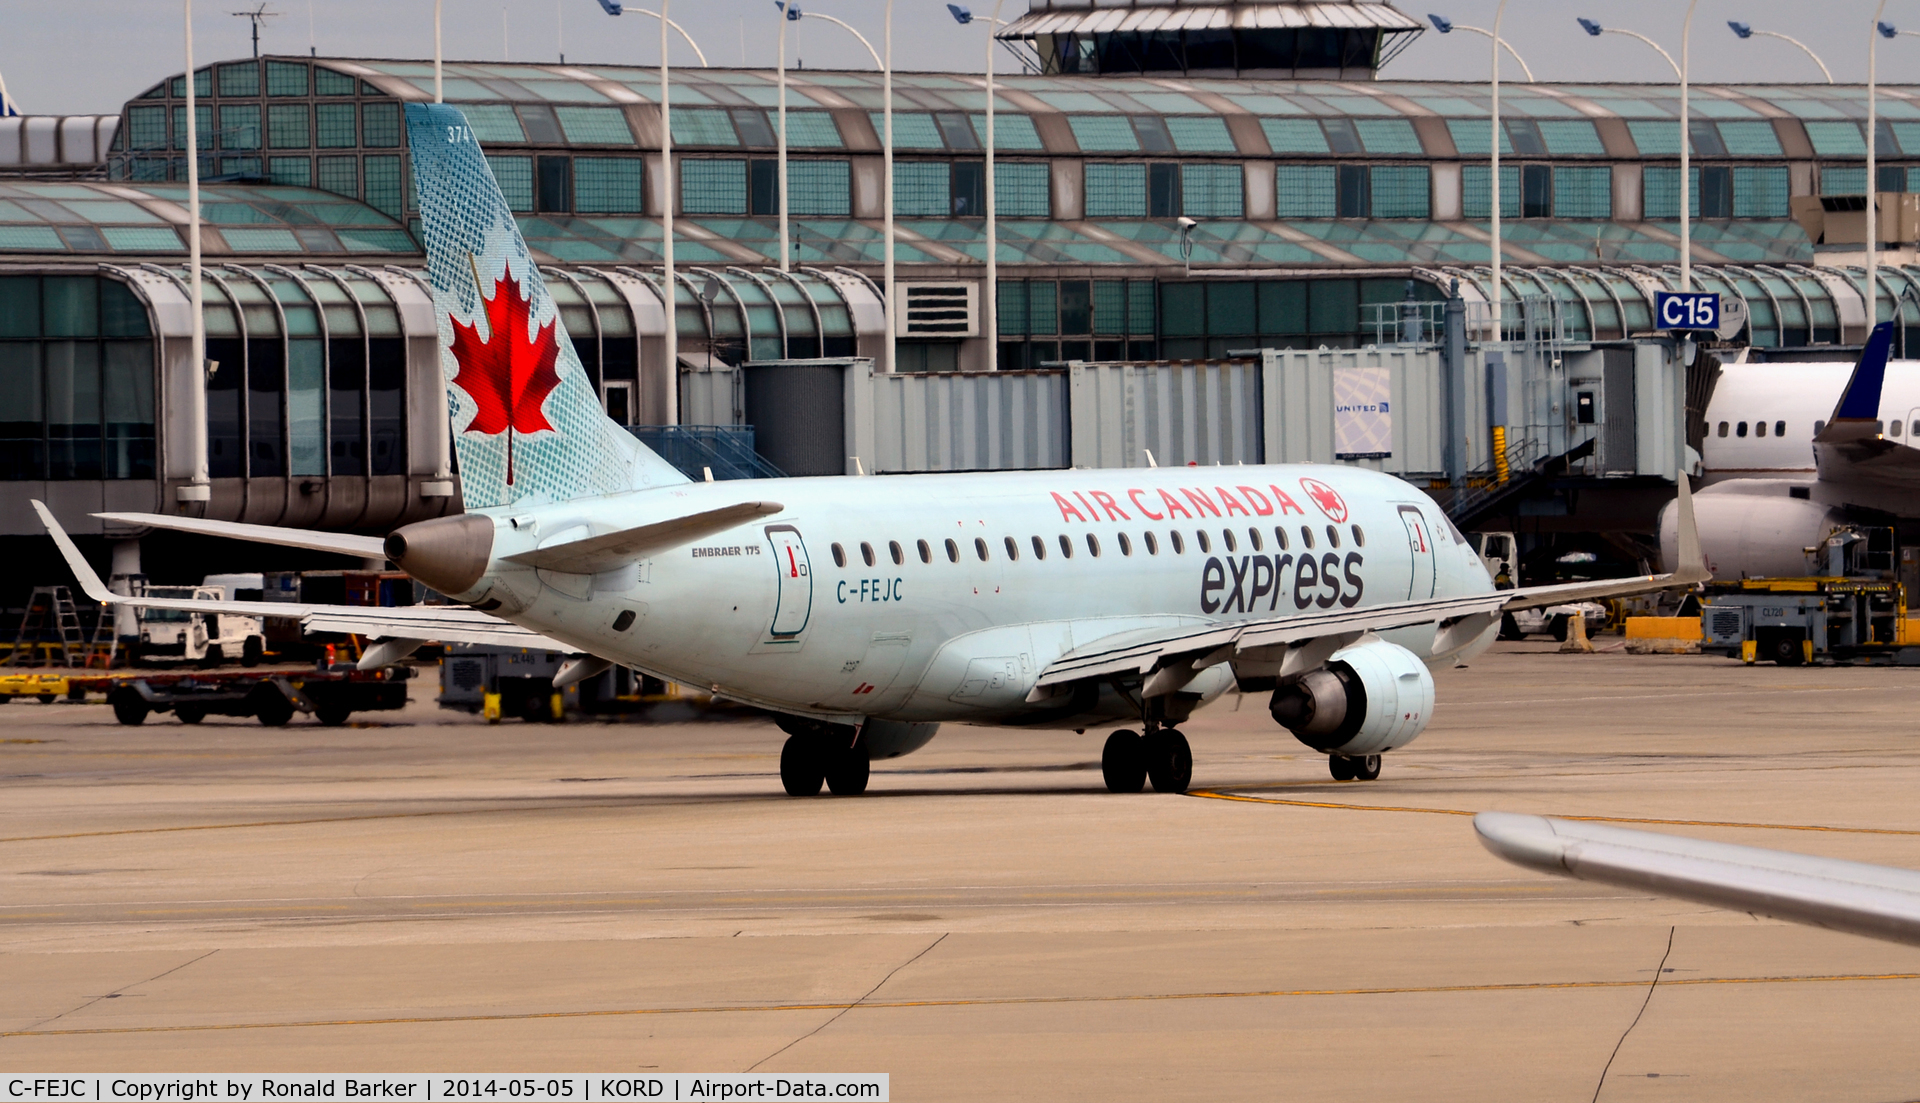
1875 901
616 549
364 547
446 623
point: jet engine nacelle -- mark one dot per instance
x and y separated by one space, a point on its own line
1752 528
1368 699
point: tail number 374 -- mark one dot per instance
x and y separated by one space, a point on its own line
459 134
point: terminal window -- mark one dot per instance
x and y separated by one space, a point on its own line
1049 321
76 380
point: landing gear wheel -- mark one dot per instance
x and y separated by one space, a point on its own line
1365 767
189 714
800 772
1340 766
848 771
1123 763
1169 761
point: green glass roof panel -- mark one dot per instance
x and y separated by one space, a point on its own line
1267 105
261 241
143 239
111 210
39 239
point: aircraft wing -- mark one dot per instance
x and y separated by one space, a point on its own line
446 623
1850 448
1313 637
1876 901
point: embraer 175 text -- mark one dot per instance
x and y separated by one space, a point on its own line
866 612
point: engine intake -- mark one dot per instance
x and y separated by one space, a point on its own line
1368 699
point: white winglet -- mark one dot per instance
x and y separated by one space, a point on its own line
82 570
1692 563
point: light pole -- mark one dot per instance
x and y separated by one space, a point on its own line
1871 291
886 152
991 306
199 491
1447 26
614 7
1686 129
788 14
1745 31
1493 177
669 293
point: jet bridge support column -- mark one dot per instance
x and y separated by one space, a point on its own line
1454 357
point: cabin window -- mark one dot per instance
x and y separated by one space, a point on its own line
1226 537
1093 545
1359 538
1066 546
1893 428
953 552
1013 550
1333 537
980 548
1205 544
1153 545
1039 548
926 553
1253 538
899 553
1740 430
866 552
1126 545
839 556
1759 428
1280 538
1780 428
1723 428
1306 537
1179 545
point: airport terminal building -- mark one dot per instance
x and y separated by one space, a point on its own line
1322 190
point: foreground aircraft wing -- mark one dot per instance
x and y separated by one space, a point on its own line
1851 447
364 547
1303 641
1876 901
446 623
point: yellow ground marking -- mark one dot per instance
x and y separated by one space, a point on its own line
991 1001
1212 794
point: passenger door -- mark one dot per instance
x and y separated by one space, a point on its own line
794 604
1420 549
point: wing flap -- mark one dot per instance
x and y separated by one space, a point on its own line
1875 901
616 549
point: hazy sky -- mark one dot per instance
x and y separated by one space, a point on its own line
79 56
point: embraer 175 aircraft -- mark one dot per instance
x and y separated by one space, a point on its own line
865 612
1778 481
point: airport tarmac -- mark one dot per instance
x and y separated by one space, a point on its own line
425 892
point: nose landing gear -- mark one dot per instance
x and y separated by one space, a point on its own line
1354 767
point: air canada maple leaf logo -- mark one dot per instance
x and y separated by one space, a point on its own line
510 374
1327 498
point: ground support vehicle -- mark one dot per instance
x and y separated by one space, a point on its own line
208 639
1792 621
330 695
47 687
517 682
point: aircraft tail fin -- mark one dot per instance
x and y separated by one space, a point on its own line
1859 405
527 422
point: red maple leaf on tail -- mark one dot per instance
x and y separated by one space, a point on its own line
509 375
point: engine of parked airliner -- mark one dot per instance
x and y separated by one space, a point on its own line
1369 699
1753 528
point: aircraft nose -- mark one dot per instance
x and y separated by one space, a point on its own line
449 554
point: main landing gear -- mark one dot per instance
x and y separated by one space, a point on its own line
1162 756
808 759
1365 767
